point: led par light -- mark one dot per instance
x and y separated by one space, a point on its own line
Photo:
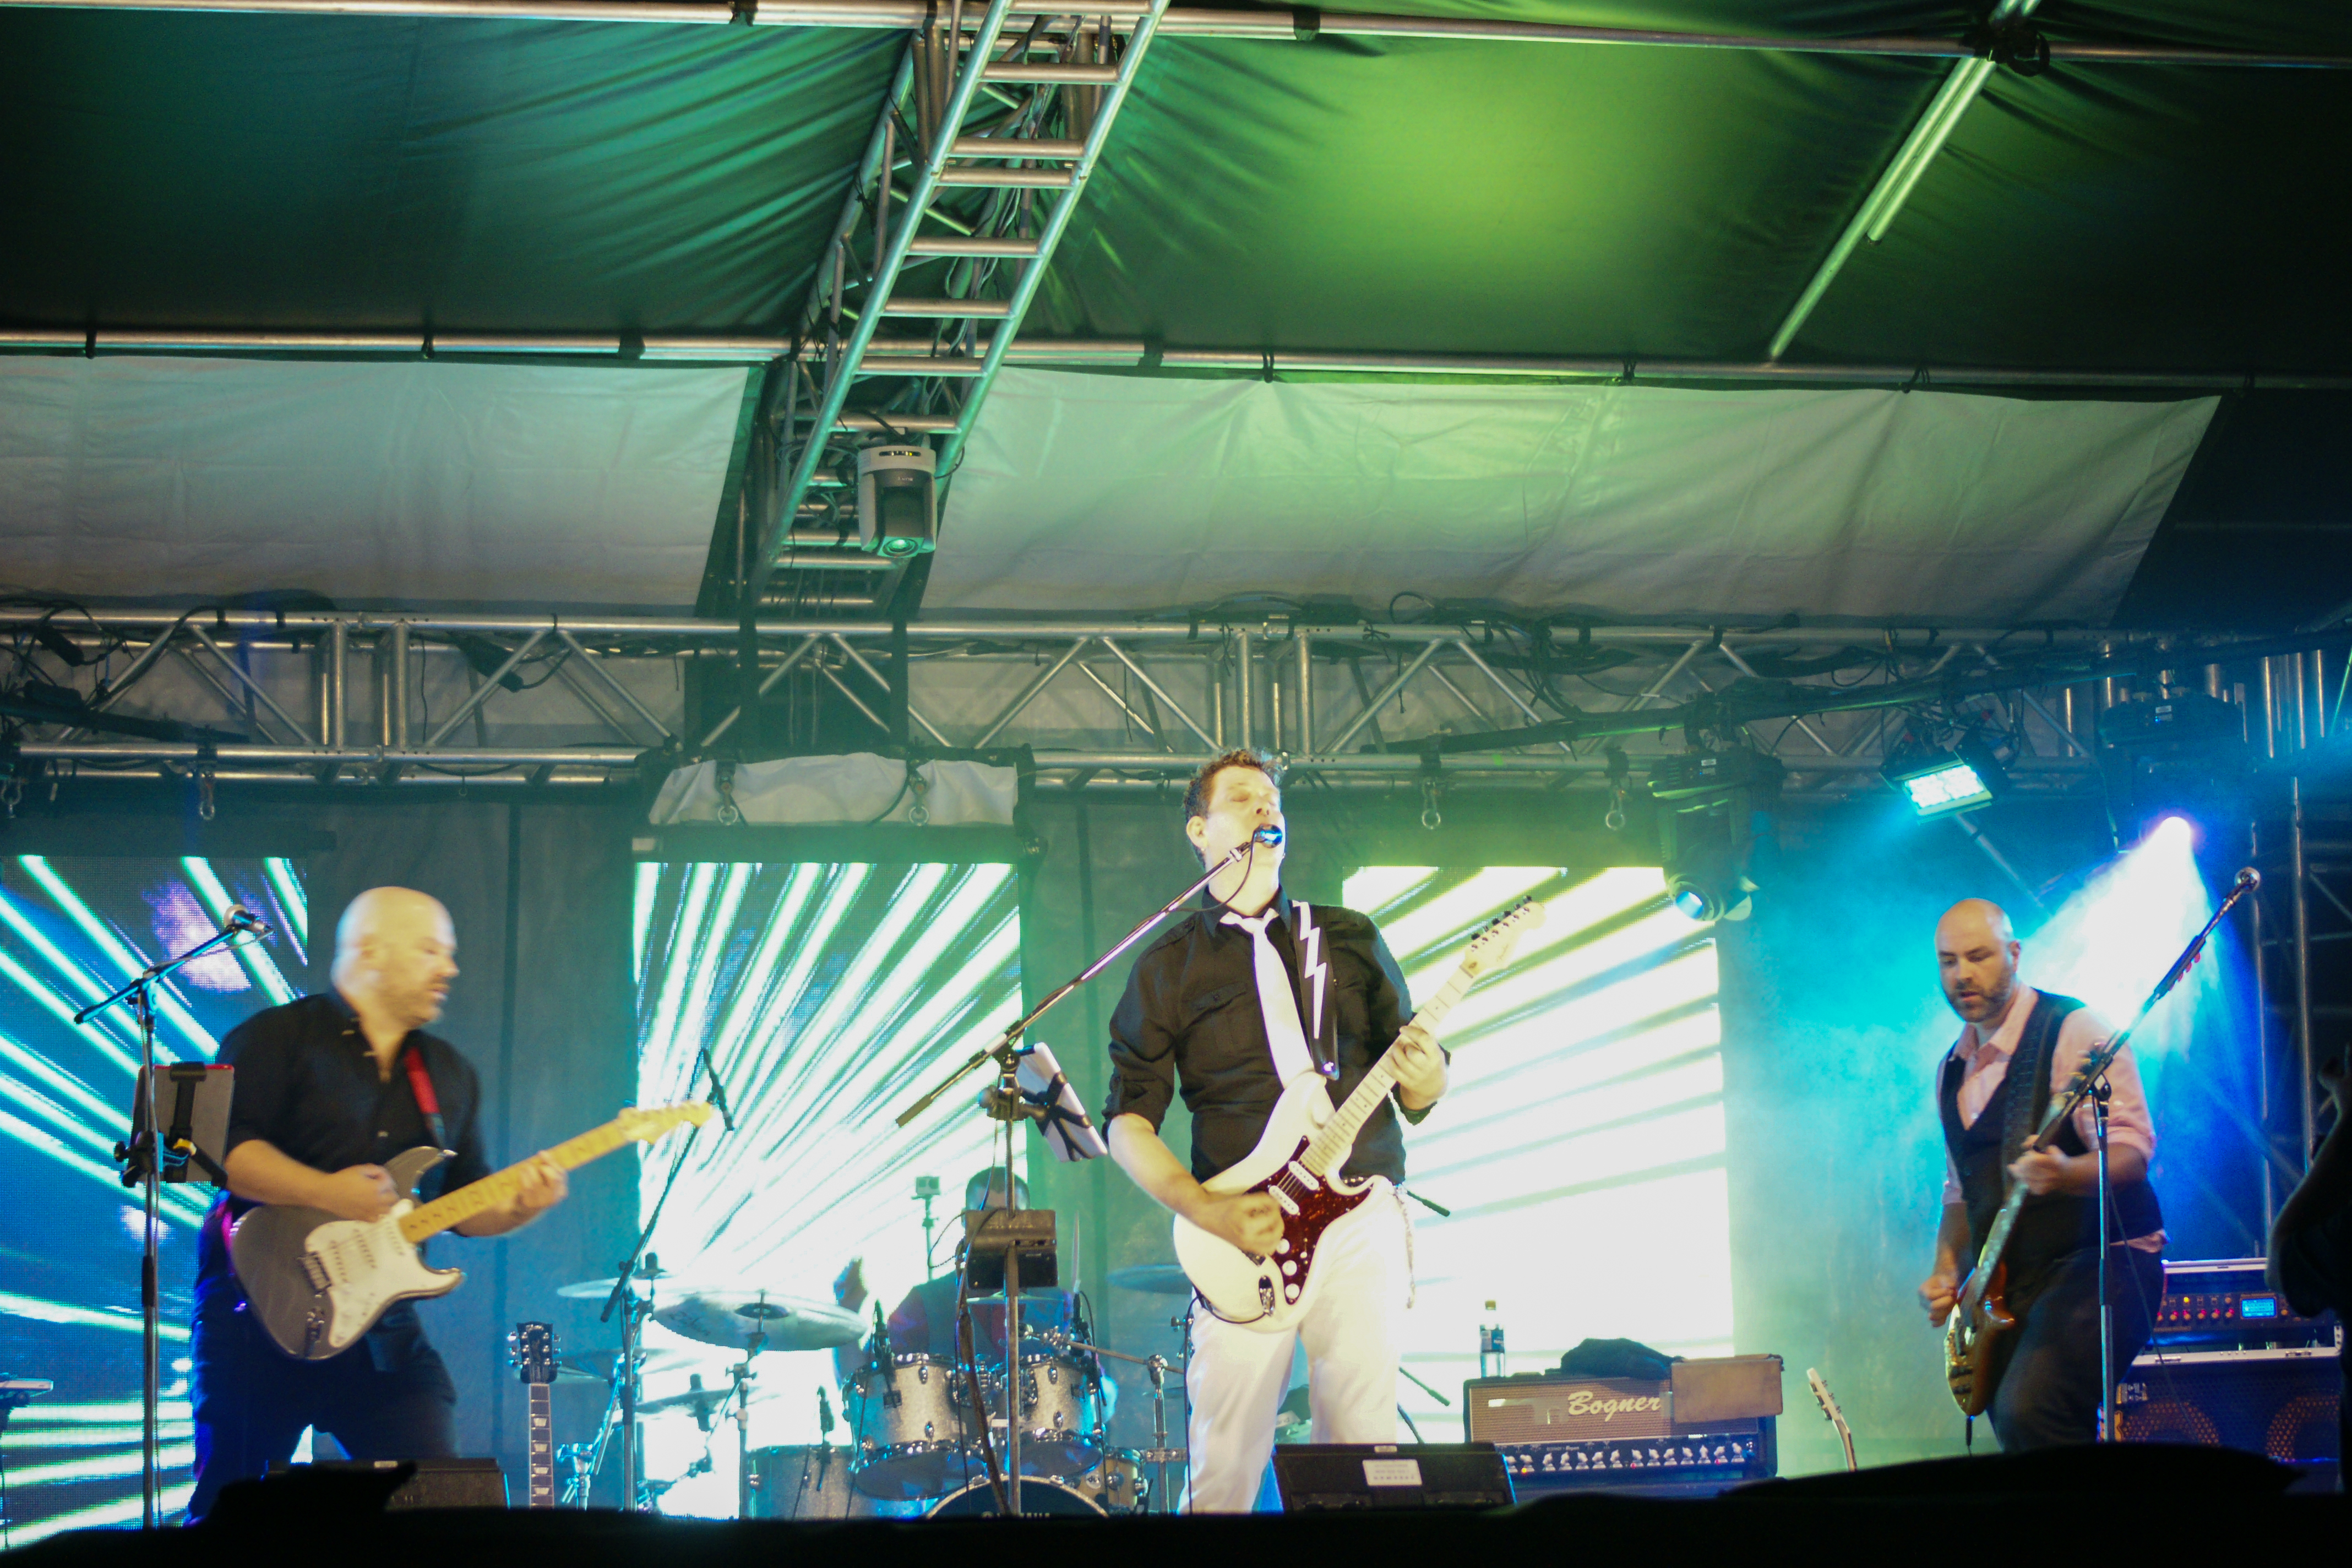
1938 783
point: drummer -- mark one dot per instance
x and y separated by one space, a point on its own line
925 1322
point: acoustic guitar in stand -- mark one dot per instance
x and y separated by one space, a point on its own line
317 1283
1299 1156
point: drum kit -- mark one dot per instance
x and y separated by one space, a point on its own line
925 1431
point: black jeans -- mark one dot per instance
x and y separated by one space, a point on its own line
2049 1395
387 1397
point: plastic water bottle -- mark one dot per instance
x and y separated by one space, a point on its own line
1490 1347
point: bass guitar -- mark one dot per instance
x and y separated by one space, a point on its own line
317 1283
1297 1159
1977 1338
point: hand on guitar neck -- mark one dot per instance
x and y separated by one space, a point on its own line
260 1173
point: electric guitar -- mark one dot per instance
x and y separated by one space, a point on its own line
1298 1157
1832 1414
317 1283
1977 1336
533 1355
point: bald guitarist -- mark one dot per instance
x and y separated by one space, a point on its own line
329 1088
1238 999
1994 1087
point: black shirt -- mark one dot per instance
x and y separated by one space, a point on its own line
307 1084
1191 1017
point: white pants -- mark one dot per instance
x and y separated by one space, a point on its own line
1237 1376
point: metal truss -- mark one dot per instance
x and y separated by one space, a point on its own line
534 700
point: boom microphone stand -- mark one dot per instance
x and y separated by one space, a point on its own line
144 1157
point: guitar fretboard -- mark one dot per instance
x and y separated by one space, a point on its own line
543 1445
1328 1150
496 1191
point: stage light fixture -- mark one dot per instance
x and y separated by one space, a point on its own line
1715 815
1941 783
898 506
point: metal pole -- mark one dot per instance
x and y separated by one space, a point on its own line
395 731
2301 872
1305 704
339 655
1243 675
2261 1028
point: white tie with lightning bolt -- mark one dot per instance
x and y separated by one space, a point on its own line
1275 1000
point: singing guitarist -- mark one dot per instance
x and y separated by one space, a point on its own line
1994 1086
329 1088
1232 1003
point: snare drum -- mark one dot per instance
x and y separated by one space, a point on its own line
1060 1436
912 1425
1036 1498
1116 1485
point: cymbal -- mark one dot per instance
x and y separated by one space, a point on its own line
683 1404
735 1316
1153 1278
596 1366
648 1279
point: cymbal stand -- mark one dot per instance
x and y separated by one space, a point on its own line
1156 1367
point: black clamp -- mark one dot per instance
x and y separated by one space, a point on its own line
2019 45
1305 23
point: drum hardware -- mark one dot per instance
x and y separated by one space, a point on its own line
1160 1454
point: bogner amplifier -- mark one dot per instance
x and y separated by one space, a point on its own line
2224 1304
1709 1425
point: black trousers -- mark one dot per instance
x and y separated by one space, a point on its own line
2049 1395
387 1397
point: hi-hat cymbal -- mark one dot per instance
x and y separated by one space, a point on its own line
684 1403
596 1366
735 1317
1153 1278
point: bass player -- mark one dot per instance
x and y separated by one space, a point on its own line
1238 999
328 1088
2048 1393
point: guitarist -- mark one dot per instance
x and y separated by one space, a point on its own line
2017 1046
1229 1006
328 1088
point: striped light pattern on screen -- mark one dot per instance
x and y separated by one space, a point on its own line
71 929
830 995
1581 1146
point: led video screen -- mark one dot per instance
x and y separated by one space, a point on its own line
831 997
72 930
1581 1148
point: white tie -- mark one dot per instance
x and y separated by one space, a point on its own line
1275 1000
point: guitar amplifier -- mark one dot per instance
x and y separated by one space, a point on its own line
2282 1403
2224 1304
1711 1425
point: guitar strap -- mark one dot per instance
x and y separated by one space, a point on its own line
420 1082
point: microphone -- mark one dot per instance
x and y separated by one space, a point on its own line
240 918
700 1403
824 1414
1269 836
2249 878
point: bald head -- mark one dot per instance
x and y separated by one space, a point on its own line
395 953
1976 957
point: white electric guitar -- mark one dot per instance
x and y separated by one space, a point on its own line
317 1283
1298 1157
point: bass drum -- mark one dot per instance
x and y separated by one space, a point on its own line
814 1483
1038 1499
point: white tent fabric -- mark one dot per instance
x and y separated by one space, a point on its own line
412 482
1113 493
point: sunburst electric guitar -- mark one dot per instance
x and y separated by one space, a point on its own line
1298 1157
317 1283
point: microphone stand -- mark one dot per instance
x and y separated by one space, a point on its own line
142 1162
1004 1050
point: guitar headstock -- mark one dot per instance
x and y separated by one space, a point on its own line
1828 1401
1491 948
647 1125
531 1349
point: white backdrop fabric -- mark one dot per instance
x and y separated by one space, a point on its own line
420 483
1112 493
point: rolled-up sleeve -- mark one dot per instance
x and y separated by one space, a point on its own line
1142 1052
2129 1123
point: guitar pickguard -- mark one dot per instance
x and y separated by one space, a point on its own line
1310 1208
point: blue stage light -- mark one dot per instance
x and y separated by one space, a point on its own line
1940 782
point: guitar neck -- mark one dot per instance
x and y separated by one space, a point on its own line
497 1190
1329 1147
542 1450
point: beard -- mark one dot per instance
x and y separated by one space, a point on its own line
1983 1007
